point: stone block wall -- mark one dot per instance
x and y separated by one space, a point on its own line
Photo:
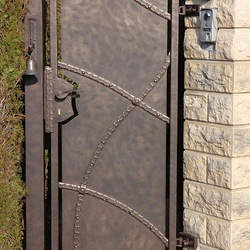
217 129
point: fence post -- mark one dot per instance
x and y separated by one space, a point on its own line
217 129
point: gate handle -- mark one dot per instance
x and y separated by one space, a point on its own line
63 94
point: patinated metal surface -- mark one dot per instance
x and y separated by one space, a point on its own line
136 101
48 100
115 148
55 144
113 153
34 138
82 191
155 9
109 164
172 178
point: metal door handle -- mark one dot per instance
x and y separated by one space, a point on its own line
63 94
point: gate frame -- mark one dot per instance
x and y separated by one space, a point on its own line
172 237
34 132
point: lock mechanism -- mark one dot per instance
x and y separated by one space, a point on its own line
57 99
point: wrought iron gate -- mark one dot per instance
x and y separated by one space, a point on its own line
112 115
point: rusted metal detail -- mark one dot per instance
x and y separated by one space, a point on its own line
113 202
154 9
112 86
48 100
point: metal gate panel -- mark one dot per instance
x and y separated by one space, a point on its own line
112 161
114 147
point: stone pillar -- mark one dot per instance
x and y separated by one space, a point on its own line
217 129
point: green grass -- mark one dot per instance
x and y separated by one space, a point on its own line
12 66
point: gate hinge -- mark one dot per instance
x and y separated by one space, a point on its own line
187 240
190 10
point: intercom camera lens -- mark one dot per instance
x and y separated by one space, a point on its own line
207 15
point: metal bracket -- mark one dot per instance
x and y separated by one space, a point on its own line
190 10
57 101
187 240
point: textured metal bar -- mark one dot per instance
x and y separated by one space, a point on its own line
117 204
54 190
34 132
103 141
48 100
135 100
173 125
54 135
53 36
154 112
154 9
57 102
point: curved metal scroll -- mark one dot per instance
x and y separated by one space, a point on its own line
135 101
81 190
59 94
154 9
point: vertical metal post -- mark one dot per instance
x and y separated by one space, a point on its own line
54 190
54 135
53 36
34 131
173 124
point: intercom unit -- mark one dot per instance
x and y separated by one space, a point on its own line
209 25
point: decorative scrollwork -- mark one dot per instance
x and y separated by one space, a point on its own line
113 202
135 102
48 100
112 86
154 9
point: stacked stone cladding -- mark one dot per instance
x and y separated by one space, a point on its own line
217 129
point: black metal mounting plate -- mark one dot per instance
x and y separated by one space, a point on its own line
190 10
187 240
